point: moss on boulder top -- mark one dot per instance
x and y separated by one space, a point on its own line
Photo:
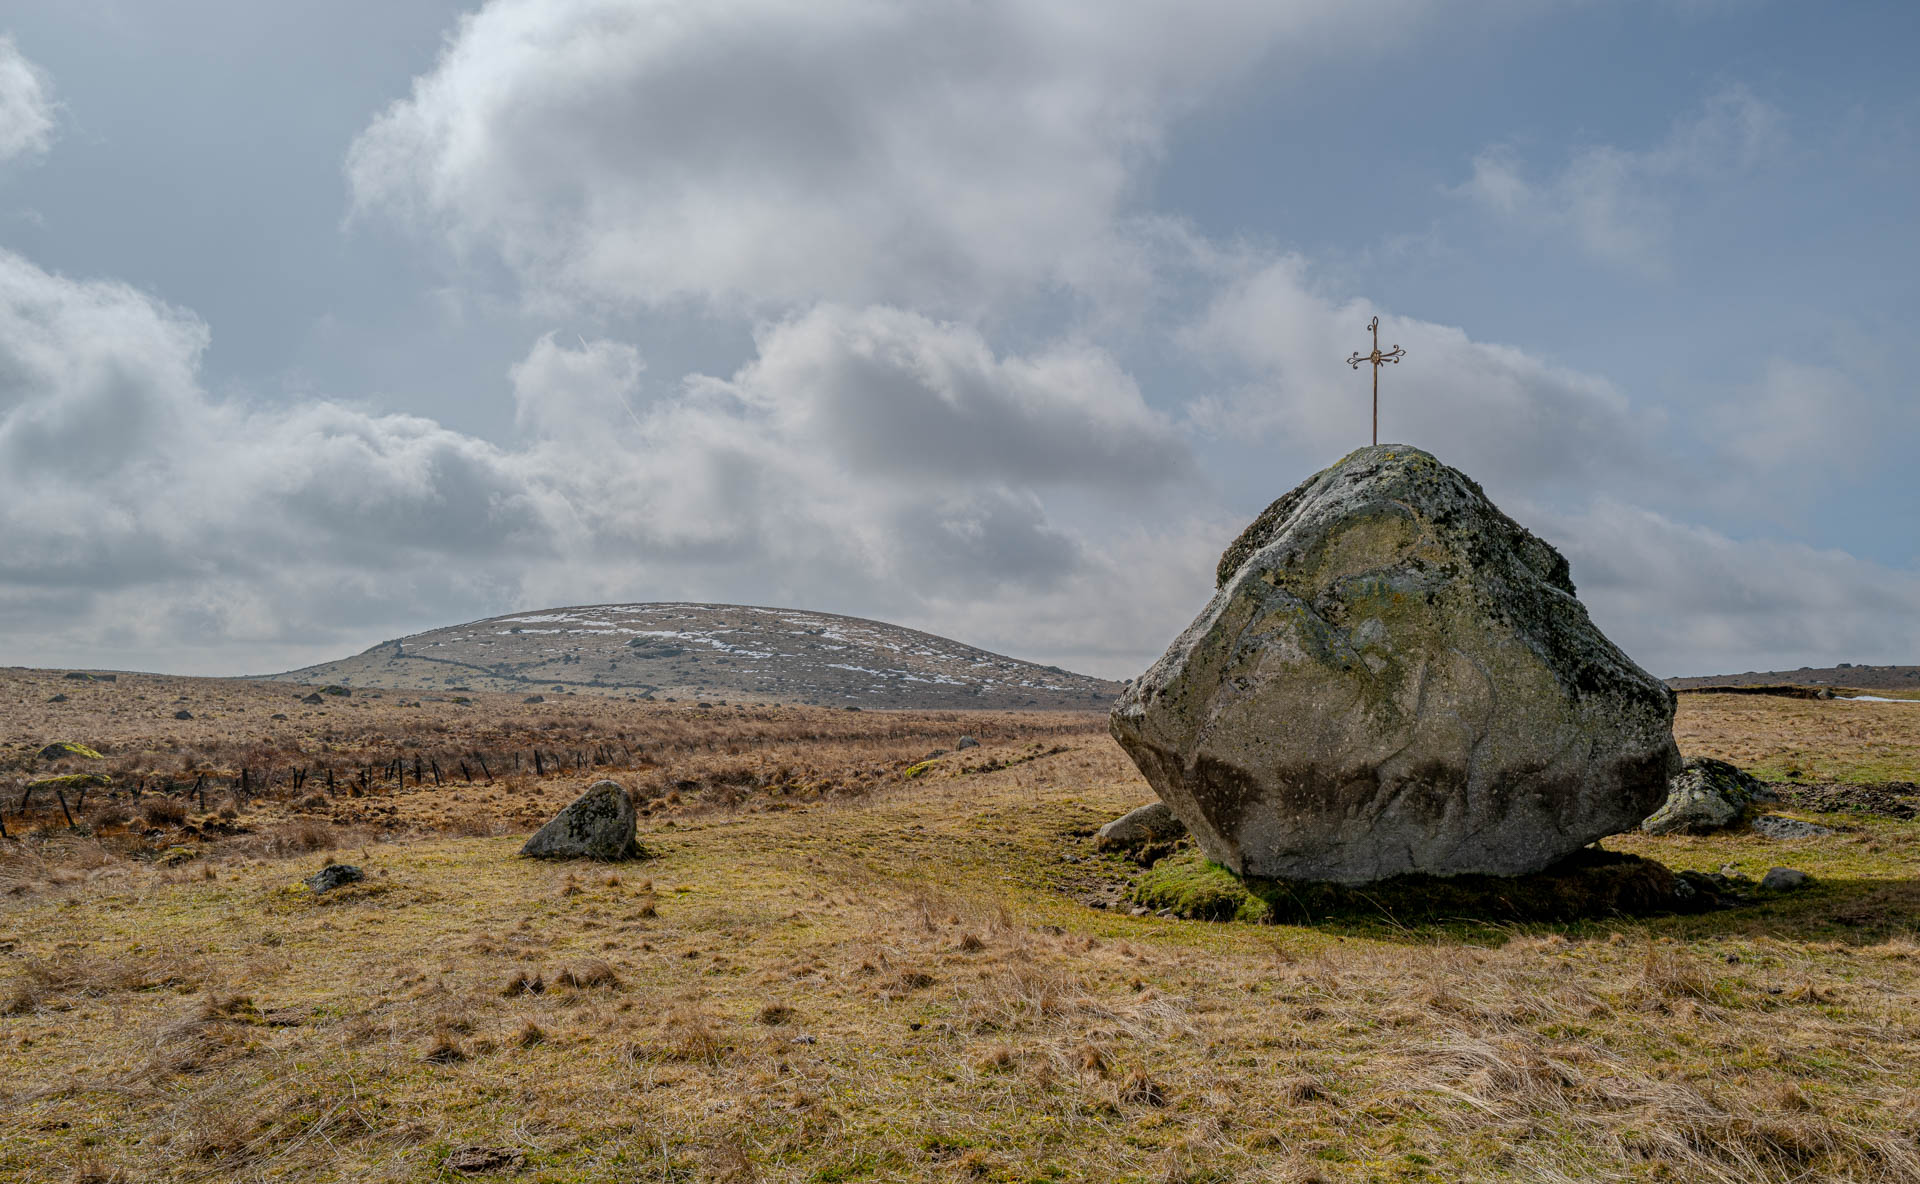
1394 677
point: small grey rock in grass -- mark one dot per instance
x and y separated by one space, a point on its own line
474 1160
183 714
334 875
1773 826
597 825
1784 879
1152 823
967 742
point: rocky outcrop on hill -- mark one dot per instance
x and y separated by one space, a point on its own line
1395 677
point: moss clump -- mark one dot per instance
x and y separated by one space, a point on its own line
64 748
916 770
71 781
1193 886
1591 883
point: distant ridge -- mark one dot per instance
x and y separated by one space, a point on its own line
1866 678
687 651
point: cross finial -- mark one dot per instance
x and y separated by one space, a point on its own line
1376 357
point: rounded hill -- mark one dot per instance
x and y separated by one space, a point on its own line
711 651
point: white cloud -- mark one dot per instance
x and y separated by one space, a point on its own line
1514 421
766 154
26 104
1800 416
867 459
1618 204
1684 599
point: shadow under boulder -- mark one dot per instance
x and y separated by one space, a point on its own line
1588 884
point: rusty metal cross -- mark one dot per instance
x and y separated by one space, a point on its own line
1376 357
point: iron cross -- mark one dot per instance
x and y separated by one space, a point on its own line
1376 357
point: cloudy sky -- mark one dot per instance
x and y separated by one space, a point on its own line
326 323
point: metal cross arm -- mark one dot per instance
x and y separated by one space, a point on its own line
1376 357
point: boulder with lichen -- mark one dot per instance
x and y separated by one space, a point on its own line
1394 677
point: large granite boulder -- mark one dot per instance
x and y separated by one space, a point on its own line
597 825
1394 677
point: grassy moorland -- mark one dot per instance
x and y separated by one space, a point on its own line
844 962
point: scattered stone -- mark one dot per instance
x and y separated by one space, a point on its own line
1784 879
58 699
334 875
278 715
62 748
474 1160
313 699
534 699
78 676
1154 822
1706 796
597 825
183 713
335 690
1773 826
967 742
1395 677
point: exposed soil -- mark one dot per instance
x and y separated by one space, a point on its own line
1890 799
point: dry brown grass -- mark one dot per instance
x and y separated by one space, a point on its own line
900 983
1803 739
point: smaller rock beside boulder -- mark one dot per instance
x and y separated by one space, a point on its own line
597 825
1152 823
334 875
314 699
1784 879
1707 795
967 742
